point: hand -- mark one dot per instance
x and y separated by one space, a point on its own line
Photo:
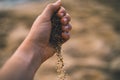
41 29
36 47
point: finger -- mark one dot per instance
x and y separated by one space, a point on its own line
61 13
67 28
65 36
51 9
66 19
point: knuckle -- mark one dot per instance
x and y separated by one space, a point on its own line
68 16
50 5
70 26
62 10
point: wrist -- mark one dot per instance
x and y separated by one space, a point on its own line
32 48
37 50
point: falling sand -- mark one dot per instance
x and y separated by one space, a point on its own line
56 41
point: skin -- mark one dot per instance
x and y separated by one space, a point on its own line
36 49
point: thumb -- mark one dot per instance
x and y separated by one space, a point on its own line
51 9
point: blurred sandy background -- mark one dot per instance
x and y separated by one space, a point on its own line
92 53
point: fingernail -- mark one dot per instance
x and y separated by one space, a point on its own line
62 14
65 19
66 27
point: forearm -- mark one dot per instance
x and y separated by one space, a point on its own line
24 63
36 48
